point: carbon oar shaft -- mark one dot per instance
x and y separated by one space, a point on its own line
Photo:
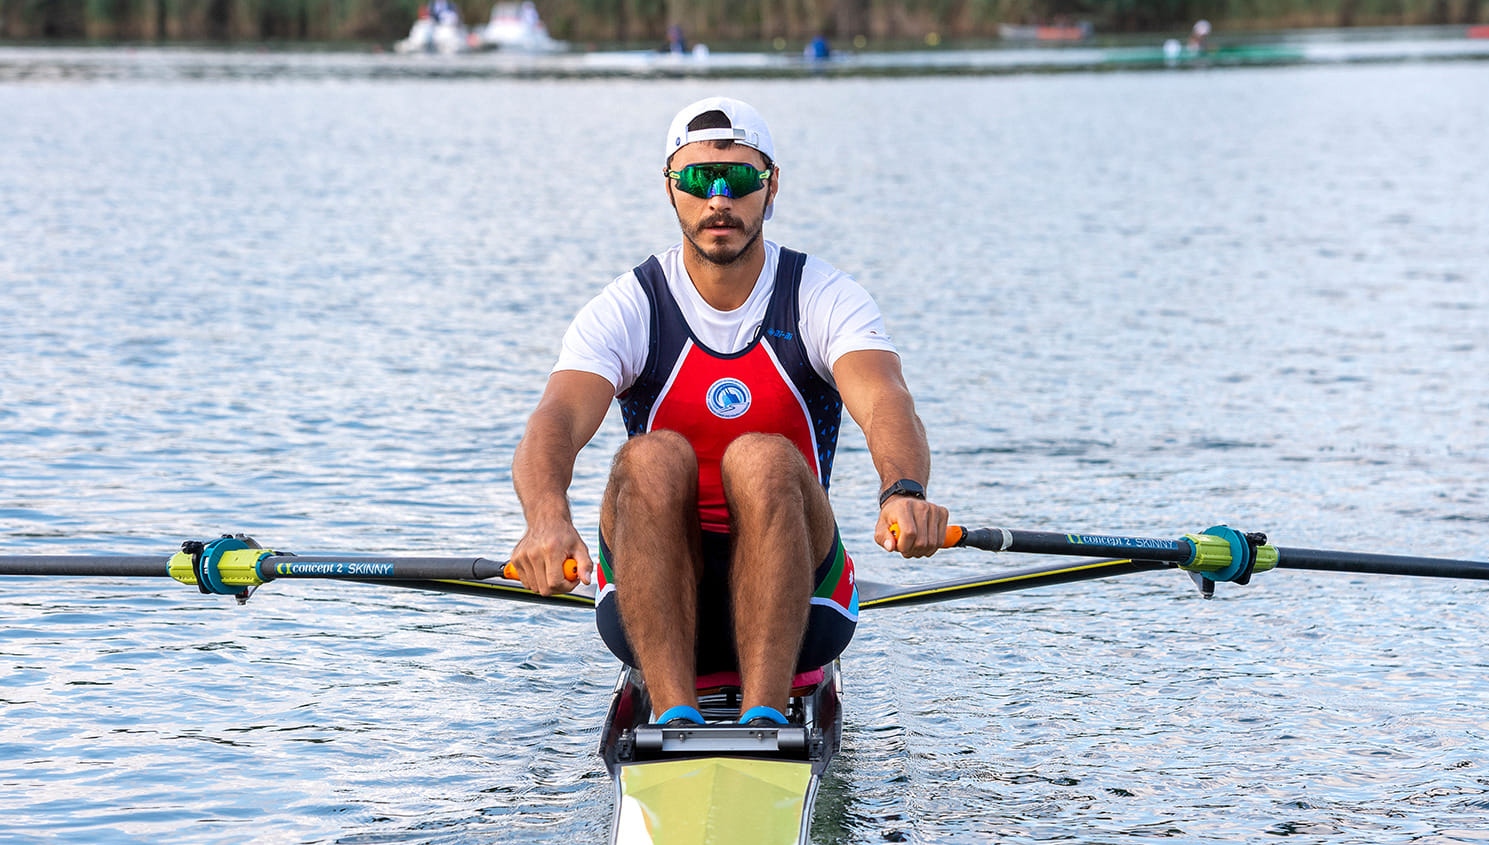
378 568
1428 567
143 566
1052 543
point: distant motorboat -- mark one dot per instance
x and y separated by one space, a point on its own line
517 27
1072 32
436 31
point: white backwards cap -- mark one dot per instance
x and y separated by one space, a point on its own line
746 126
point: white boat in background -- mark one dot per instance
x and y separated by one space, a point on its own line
437 30
517 27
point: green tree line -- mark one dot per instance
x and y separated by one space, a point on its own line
713 21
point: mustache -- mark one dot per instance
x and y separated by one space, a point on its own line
722 219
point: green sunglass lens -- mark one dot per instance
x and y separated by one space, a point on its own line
696 180
730 180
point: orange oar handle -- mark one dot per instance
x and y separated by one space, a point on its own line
571 571
954 534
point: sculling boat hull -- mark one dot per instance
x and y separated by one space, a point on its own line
719 783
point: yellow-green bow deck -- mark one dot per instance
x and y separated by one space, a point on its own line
720 783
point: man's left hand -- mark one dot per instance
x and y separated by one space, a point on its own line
913 527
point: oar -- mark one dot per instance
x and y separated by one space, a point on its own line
1215 553
236 565
261 567
1219 554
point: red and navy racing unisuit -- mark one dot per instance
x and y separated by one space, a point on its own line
711 398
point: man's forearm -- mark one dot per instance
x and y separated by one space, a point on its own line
896 437
542 469
897 442
572 407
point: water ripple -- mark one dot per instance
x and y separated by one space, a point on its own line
1142 304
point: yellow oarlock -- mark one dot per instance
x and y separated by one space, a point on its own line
235 568
1213 554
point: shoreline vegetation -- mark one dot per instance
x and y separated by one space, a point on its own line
719 22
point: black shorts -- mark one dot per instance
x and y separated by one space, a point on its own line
831 620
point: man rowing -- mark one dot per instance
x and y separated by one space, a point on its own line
731 358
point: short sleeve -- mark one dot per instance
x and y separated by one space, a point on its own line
837 317
610 334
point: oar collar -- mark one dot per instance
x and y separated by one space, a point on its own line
227 566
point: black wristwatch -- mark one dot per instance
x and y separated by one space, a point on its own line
903 487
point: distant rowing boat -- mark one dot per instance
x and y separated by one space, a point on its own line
1020 32
1172 53
700 61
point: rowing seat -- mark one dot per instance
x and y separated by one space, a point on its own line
714 683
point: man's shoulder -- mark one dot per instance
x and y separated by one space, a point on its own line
818 268
821 280
815 272
623 297
630 280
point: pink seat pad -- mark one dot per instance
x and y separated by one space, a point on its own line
714 680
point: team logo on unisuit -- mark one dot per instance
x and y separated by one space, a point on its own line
728 398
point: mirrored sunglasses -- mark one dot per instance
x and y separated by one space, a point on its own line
719 178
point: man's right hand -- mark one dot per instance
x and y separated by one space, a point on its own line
540 555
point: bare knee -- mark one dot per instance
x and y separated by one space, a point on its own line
767 471
756 453
658 469
664 451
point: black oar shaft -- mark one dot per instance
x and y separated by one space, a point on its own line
1326 561
1093 545
142 566
378 568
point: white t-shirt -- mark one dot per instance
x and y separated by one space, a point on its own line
611 334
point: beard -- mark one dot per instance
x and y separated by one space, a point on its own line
722 254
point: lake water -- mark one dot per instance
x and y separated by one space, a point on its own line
318 311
